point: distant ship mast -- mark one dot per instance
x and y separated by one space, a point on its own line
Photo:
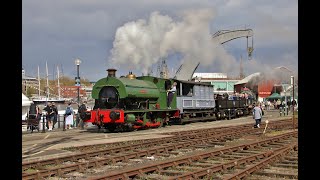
39 93
59 96
47 87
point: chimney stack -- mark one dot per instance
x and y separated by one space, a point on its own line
111 72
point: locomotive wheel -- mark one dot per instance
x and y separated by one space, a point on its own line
128 127
111 127
99 127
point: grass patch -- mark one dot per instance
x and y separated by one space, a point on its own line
72 148
30 170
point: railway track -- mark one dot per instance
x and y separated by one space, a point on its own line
180 135
94 150
124 153
285 167
225 163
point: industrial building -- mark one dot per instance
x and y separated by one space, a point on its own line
262 85
221 82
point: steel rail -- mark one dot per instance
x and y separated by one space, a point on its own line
148 168
113 159
124 148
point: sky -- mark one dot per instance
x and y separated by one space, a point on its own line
136 35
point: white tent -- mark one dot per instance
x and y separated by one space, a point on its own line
25 100
25 106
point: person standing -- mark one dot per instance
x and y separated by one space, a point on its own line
55 114
82 108
69 116
293 104
257 115
269 105
289 105
49 115
39 113
46 109
278 103
171 93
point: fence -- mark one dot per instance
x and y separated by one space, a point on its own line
60 123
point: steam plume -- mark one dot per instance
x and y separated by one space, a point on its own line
142 43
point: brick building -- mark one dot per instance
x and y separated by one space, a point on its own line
27 82
72 92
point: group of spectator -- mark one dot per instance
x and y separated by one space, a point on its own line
282 104
278 104
52 114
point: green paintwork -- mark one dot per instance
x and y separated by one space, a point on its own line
147 87
132 88
160 83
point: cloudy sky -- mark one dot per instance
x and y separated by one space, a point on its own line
135 35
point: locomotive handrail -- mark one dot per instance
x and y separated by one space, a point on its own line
140 86
101 86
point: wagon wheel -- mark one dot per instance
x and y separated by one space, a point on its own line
229 115
179 121
218 116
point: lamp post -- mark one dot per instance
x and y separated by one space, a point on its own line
77 62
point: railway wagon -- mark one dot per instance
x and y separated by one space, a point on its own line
228 108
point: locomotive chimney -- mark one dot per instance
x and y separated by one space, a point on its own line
111 72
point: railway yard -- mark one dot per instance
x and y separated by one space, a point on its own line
224 149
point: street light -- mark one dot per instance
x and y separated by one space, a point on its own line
77 62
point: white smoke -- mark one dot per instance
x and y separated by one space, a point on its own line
280 71
141 43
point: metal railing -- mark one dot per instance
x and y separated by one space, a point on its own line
60 123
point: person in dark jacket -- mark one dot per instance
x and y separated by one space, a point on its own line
55 114
49 115
82 108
